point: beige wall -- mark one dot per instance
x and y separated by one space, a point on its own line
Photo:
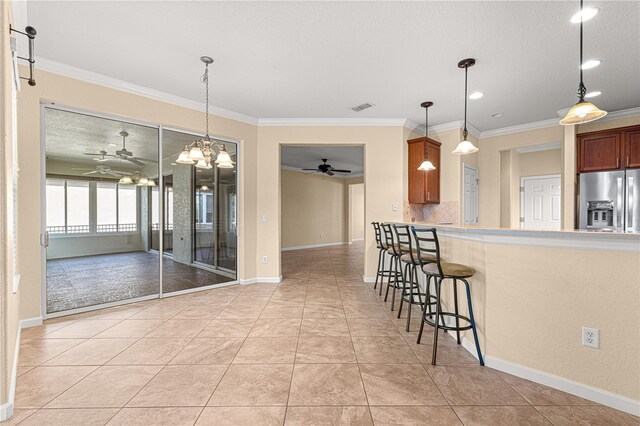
78 94
540 163
9 301
356 212
383 151
313 209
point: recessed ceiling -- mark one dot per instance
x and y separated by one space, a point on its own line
319 59
309 157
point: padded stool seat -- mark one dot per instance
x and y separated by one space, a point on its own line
426 257
450 270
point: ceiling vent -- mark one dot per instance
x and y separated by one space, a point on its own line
362 107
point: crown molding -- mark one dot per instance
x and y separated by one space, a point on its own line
519 128
536 148
124 86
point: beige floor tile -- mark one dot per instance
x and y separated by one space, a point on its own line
283 310
82 329
150 351
414 416
21 370
267 350
195 312
92 352
538 394
209 350
381 349
399 384
116 313
323 311
180 385
368 311
108 386
474 385
130 329
372 327
327 384
500 416
250 385
241 311
18 416
328 327
38 351
275 327
41 330
335 350
355 416
160 310
233 416
593 415
179 328
230 327
448 355
40 385
70 417
174 416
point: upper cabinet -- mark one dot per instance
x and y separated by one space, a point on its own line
611 149
424 187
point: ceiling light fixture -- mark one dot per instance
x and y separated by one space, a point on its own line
584 14
202 152
593 94
426 164
476 95
583 111
465 147
125 180
591 63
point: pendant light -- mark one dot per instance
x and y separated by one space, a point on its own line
583 111
465 147
426 164
125 180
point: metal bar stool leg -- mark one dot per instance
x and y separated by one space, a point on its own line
455 304
435 332
404 288
378 270
424 314
395 283
410 298
473 323
382 276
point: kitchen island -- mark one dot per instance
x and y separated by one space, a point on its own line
533 291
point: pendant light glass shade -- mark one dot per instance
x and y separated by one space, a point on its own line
151 182
202 164
143 181
196 154
183 158
125 180
465 147
224 159
582 112
426 166
204 188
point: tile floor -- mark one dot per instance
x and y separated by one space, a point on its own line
319 348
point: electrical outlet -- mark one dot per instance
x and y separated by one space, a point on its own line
394 207
591 337
265 219
265 259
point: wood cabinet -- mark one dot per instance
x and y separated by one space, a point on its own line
611 149
424 187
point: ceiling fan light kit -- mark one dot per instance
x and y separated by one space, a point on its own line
426 164
583 111
465 146
202 152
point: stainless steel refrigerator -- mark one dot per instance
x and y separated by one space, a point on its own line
610 201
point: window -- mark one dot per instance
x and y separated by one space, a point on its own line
69 208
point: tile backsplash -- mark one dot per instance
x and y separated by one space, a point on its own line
445 212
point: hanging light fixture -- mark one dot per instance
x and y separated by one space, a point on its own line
426 164
143 181
202 152
465 147
583 111
125 180
151 182
204 188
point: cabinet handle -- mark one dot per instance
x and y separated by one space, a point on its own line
618 162
627 161
428 196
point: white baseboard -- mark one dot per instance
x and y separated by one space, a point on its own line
357 239
590 393
30 322
6 409
268 280
368 279
313 246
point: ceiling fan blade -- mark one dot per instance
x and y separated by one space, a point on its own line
90 173
144 159
330 173
82 168
308 170
102 160
340 171
111 173
134 161
91 153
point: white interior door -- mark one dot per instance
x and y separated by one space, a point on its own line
541 201
470 195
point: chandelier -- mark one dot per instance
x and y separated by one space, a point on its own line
202 152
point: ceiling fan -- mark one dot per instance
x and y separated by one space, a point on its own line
123 154
100 156
327 169
103 170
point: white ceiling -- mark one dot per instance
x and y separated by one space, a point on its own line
318 59
308 157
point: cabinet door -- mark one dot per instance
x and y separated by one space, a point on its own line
631 140
433 176
599 152
417 192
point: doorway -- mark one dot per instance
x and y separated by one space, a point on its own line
541 202
470 199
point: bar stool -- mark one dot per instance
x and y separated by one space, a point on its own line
381 251
427 242
396 280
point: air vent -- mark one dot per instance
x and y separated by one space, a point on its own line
362 107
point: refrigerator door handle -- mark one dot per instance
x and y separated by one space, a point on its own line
619 206
630 202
